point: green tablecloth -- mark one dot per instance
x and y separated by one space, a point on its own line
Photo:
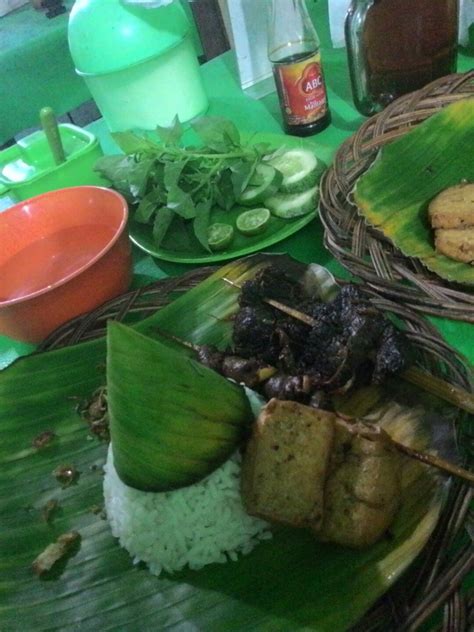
227 98
36 68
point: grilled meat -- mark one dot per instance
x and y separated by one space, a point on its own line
350 341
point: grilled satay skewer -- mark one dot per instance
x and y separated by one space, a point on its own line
434 385
367 430
246 370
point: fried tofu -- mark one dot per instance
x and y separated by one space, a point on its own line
362 491
301 468
286 464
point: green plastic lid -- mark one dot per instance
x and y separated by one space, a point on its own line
107 35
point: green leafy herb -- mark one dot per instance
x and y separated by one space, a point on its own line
166 182
201 223
163 219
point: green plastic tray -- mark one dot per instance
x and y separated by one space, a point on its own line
28 168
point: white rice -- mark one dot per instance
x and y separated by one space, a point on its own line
197 525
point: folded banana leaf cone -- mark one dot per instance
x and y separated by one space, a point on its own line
291 582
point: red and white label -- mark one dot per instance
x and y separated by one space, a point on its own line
303 90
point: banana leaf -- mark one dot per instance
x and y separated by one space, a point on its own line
394 193
169 398
289 583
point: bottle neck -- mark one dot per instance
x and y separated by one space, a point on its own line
290 30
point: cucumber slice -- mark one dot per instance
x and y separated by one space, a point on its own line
219 236
289 205
265 182
253 222
301 170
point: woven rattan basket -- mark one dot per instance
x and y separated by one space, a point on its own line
435 580
364 251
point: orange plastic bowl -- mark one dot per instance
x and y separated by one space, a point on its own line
62 253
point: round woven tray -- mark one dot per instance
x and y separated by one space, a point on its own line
364 251
435 580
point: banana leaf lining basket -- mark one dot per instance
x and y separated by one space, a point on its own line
363 250
435 580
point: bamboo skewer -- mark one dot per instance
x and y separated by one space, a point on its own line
375 433
429 383
364 429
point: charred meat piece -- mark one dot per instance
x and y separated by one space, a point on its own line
345 334
95 412
393 354
350 341
270 282
55 552
211 357
289 387
254 333
248 371
285 464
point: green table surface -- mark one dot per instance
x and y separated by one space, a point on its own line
227 98
36 68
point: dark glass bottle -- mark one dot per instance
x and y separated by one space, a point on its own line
397 46
294 51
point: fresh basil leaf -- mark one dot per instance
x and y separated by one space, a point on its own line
131 143
138 177
126 175
263 149
201 223
156 176
172 173
181 203
217 133
163 220
148 206
223 191
170 135
114 168
242 171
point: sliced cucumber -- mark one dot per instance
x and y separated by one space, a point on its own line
301 169
289 205
265 182
253 221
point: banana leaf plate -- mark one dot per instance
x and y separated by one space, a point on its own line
394 193
181 246
288 583
375 196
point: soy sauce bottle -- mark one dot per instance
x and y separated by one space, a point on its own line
294 51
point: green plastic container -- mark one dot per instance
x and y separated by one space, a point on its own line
139 64
28 168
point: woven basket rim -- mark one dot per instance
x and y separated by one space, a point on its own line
363 250
392 610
